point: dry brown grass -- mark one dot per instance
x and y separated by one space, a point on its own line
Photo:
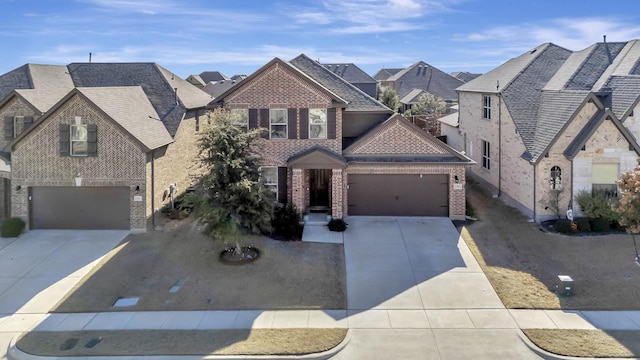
184 342
522 264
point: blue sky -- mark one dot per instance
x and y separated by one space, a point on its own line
237 37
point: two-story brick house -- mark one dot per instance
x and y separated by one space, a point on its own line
105 145
551 123
333 148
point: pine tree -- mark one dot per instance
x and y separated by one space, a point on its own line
231 196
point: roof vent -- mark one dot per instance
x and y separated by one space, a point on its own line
532 51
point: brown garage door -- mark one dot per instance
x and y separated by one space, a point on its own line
398 195
79 207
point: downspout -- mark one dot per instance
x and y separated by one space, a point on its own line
153 191
499 143
534 191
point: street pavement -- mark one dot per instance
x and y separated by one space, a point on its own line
414 291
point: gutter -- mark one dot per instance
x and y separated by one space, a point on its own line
499 144
153 192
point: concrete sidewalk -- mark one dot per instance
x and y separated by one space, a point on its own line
414 291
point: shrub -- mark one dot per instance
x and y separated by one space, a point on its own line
12 227
583 224
564 226
600 224
470 211
337 225
596 206
286 221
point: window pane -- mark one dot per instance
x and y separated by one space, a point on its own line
78 148
318 123
240 117
278 116
78 132
270 175
278 131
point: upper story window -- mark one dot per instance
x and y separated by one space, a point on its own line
486 107
240 118
79 140
556 178
15 125
486 155
317 123
278 123
18 125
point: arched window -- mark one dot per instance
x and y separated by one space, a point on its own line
556 178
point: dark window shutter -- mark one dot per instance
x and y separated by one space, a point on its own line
264 122
92 140
304 123
8 127
28 120
64 139
331 123
253 118
292 122
282 185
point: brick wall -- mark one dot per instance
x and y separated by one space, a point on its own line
36 160
15 107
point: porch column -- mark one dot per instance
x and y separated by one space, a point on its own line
297 187
336 194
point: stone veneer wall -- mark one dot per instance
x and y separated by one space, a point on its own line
36 160
456 196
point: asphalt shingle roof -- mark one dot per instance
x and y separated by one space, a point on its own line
208 76
357 100
386 73
41 85
599 59
625 93
424 76
350 73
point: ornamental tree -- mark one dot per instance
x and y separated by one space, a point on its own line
389 97
628 205
231 197
428 105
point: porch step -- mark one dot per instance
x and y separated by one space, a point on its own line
319 219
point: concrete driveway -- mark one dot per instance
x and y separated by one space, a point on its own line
415 291
39 268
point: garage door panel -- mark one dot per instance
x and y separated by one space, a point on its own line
79 208
398 195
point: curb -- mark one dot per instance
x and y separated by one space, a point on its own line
13 353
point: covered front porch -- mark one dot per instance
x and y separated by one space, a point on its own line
317 182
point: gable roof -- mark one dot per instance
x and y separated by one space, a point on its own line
128 107
424 76
386 73
208 76
351 73
387 135
215 89
465 76
357 100
590 128
317 157
412 96
41 85
156 82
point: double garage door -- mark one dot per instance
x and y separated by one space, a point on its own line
79 207
398 195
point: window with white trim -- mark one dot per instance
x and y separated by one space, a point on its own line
556 178
604 179
317 123
240 118
486 107
486 155
270 176
278 120
79 140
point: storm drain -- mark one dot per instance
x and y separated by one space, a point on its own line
176 286
69 344
93 342
121 302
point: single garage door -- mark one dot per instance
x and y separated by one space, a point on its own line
398 195
79 207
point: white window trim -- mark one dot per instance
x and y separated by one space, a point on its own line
246 116
326 129
285 124
556 184
486 107
71 141
486 155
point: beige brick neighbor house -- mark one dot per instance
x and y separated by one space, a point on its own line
104 149
333 148
552 122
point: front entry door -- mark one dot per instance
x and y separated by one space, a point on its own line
319 180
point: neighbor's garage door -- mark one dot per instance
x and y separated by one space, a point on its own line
398 195
79 208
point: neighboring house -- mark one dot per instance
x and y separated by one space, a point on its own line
212 76
196 81
112 150
354 75
331 147
385 73
465 76
421 77
215 89
552 122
